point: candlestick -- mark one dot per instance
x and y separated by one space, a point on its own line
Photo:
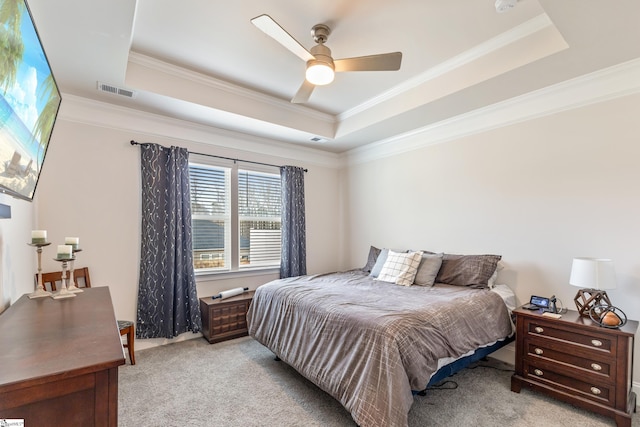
63 292
40 291
72 281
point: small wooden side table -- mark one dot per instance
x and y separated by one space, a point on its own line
225 319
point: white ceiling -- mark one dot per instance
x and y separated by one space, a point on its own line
203 61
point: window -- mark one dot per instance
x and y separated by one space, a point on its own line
210 216
259 216
235 218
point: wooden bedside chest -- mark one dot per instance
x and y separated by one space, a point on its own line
225 319
575 360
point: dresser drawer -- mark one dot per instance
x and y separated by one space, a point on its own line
600 392
599 342
586 363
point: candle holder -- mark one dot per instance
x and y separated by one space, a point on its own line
40 291
72 281
63 292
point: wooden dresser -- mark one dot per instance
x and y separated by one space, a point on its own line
575 360
59 361
224 319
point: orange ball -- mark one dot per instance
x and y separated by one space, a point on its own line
611 319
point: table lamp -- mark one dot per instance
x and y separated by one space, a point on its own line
593 275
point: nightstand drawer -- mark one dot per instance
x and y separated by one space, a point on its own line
592 364
592 340
593 390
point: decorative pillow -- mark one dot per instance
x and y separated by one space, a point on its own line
491 283
400 268
428 269
467 270
492 280
377 267
371 259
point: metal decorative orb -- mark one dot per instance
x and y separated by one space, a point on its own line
608 316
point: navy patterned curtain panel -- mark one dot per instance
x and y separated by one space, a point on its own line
167 299
294 236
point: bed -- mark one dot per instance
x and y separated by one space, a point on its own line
372 344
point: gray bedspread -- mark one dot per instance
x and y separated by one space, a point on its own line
370 343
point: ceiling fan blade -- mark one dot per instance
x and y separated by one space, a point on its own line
279 34
381 62
303 93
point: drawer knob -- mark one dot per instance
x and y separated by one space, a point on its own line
539 330
596 367
596 343
539 373
595 390
540 351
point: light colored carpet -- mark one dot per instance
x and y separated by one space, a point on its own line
238 383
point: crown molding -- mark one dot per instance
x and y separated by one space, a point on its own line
95 113
609 83
494 44
232 89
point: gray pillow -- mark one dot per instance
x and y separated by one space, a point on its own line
467 270
371 259
377 268
428 269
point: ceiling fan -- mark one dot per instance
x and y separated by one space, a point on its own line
320 65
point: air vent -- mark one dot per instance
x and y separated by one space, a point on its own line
317 139
114 90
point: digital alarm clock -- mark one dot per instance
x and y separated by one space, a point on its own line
537 302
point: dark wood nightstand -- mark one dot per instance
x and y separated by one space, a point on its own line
575 360
225 319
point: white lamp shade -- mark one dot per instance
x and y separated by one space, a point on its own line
319 73
593 273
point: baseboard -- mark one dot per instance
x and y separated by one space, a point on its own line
143 344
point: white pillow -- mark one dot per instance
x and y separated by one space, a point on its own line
492 280
400 268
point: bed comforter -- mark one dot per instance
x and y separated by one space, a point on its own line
370 343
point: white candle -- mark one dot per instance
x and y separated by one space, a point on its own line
73 241
38 236
65 251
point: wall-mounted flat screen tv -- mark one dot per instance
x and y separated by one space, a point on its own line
29 101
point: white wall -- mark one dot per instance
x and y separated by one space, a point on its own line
18 260
539 193
90 188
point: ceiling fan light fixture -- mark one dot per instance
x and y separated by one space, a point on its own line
320 66
319 73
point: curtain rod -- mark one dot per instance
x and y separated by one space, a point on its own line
221 157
